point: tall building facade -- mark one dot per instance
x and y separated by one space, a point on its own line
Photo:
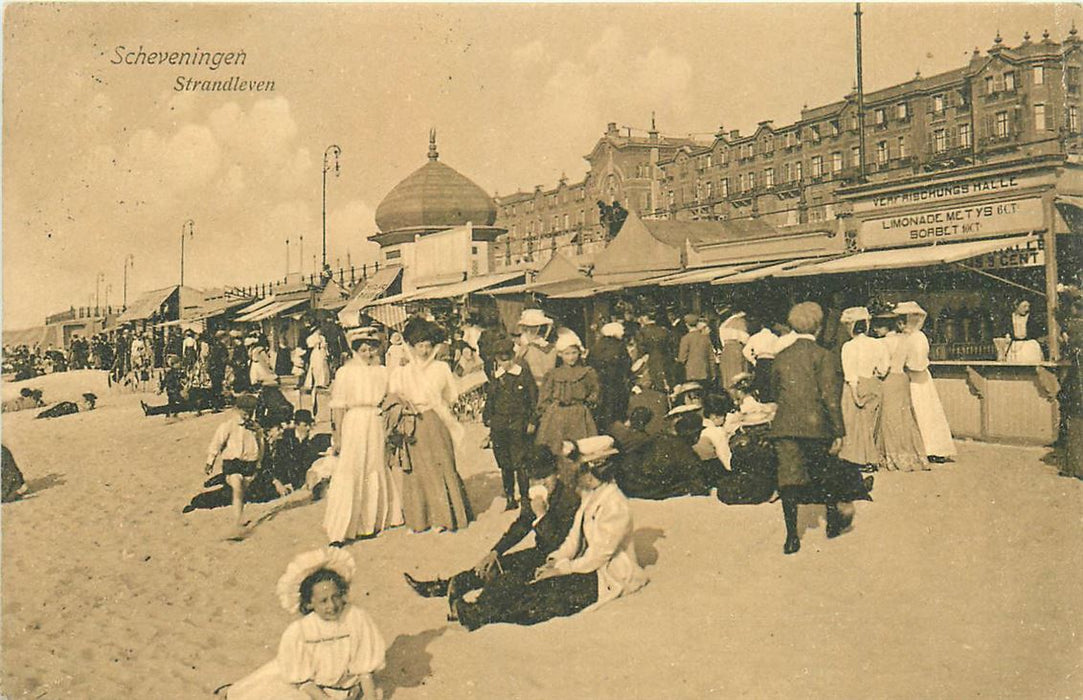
1003 105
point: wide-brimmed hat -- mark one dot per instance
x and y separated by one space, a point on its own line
534 317
592 449
905 308
682 389
289 585
613 329
567 338
363 333
854 314
678 411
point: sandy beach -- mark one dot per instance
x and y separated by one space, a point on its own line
961 582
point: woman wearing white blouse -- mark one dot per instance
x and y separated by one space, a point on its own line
433 492
864 362
933 424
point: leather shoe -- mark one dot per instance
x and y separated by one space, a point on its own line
838 525
792 545
427 589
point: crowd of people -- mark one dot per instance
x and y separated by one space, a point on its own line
743 405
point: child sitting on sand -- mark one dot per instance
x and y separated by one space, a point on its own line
331 652
239 441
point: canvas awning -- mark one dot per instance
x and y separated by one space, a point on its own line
255 306
700 275
146 305
390 315
270 310
917 256
373 286
610 283
469 286
765 271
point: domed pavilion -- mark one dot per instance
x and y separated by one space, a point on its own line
434 198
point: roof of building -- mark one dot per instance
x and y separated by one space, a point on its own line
435 195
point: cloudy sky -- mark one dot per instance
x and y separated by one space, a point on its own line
102 160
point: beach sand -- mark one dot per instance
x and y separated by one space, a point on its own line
961 582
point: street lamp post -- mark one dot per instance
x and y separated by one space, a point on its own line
129 261
98 291
287 257
188 227
333 152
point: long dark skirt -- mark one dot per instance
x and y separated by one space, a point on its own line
813 476
11 476
509 600
753 477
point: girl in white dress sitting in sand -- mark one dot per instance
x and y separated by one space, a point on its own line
331 652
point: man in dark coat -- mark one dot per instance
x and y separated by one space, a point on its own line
696 353
510 414
807 430
655 341
610 359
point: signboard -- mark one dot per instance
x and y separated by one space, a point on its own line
442 257
1029 254
935 194
945 223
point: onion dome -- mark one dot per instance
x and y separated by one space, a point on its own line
435 196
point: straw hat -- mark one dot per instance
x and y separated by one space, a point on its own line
567 338
289 586
678 411
592 449
613 329
362 333
854 314
534 317
682 389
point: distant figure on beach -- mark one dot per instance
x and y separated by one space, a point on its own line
239 442
66 408
28 398
333 651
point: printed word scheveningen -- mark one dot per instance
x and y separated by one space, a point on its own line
209 60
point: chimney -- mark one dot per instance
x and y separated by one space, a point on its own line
735 134
611 129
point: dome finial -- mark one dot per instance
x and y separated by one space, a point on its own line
998 39
433 153
1073 31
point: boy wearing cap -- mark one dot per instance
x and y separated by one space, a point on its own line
239 442
510 414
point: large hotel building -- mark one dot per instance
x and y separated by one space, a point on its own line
1009 104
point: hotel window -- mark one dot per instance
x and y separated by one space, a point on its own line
817 166
751 181
769 177
787 173
835 129
855 156
814 132
965 140
940 140
1002 129
880 116
1040 118
769 144
723 157
902 147
1073 119
855 123
699 191
582 217
1009 81
836 162
797 171
881 152
709 190
670 199
990 86
902 110
724 187
938 104
1039 75
530 229
565 222
710 160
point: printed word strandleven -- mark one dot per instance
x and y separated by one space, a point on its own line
197 58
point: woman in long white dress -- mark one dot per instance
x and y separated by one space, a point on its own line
363 499
933 424
864 362
319 371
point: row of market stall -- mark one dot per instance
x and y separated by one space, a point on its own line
967 246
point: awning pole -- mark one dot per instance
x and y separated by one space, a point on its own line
1052 276
1000 279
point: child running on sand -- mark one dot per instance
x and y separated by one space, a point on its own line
331 652
239 442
